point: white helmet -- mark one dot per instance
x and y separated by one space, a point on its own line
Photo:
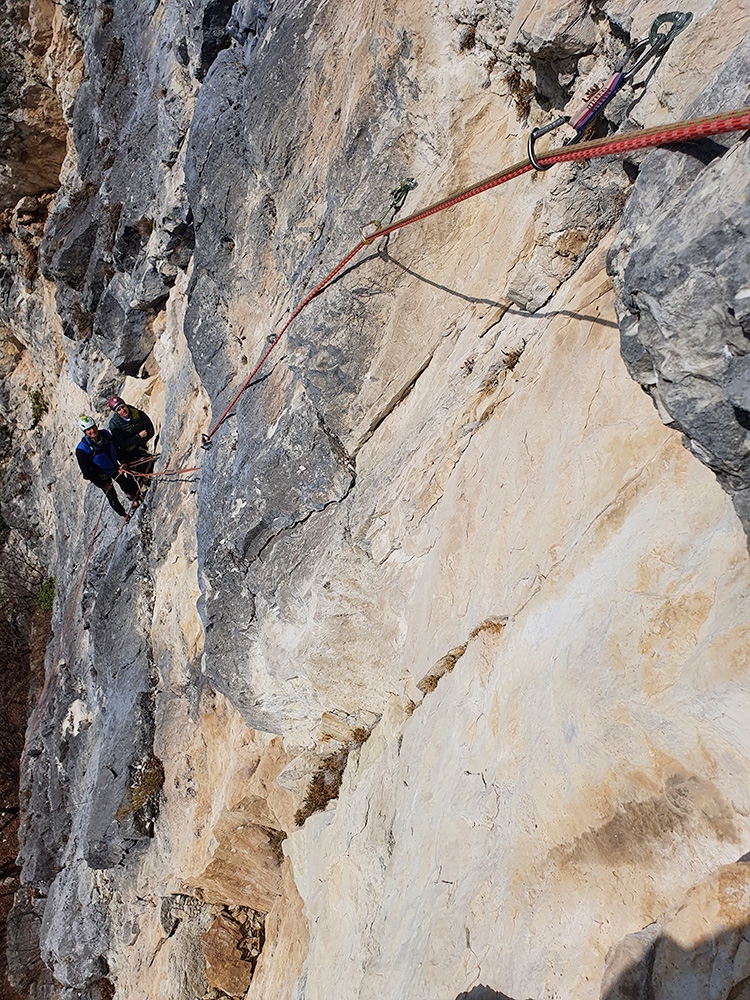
85 422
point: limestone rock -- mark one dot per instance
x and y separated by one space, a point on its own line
565 28
443 542
627 974
679 264
230 945
33 133
698 949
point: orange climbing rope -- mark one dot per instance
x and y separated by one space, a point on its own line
54 676
661 135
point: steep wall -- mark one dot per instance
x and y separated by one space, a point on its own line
432 681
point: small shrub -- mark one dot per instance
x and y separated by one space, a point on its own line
39 405
46 596
513 357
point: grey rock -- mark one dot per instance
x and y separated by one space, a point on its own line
219 149
627 970
216 32
184 920
32 132
124 332
248 21
110 281
285 478
75 929
93 790
26 970
680 264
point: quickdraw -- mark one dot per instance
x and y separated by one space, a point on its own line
398 197
654 46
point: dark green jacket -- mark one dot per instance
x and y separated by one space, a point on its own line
126 433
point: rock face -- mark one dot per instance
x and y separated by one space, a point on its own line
429 677
684 296
33 133
673 958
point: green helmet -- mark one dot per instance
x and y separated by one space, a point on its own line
85 422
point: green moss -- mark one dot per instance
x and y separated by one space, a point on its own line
39 405
46 596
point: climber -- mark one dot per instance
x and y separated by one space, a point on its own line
130 430
97 458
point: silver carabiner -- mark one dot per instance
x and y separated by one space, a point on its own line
657 41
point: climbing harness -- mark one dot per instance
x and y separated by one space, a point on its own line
653 47
661 135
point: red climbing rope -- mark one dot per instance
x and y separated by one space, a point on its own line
167 472
661 135
206 438
697 128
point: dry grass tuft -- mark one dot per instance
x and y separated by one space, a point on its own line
145 787
513 357
326 782
443 666
522 93
493 625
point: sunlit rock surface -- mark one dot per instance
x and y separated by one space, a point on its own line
429 677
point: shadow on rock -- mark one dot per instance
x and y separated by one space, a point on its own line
483 993
700 948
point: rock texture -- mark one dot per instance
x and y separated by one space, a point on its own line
675 957
429 677
683 289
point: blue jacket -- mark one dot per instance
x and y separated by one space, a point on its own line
98 459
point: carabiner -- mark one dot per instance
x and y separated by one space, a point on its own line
398 195
537 133
369 237
657 41
656 44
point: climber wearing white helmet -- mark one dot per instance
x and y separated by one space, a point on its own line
99 464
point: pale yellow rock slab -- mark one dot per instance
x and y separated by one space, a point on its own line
581 767
704 952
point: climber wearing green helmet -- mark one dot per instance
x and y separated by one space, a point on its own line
99 464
